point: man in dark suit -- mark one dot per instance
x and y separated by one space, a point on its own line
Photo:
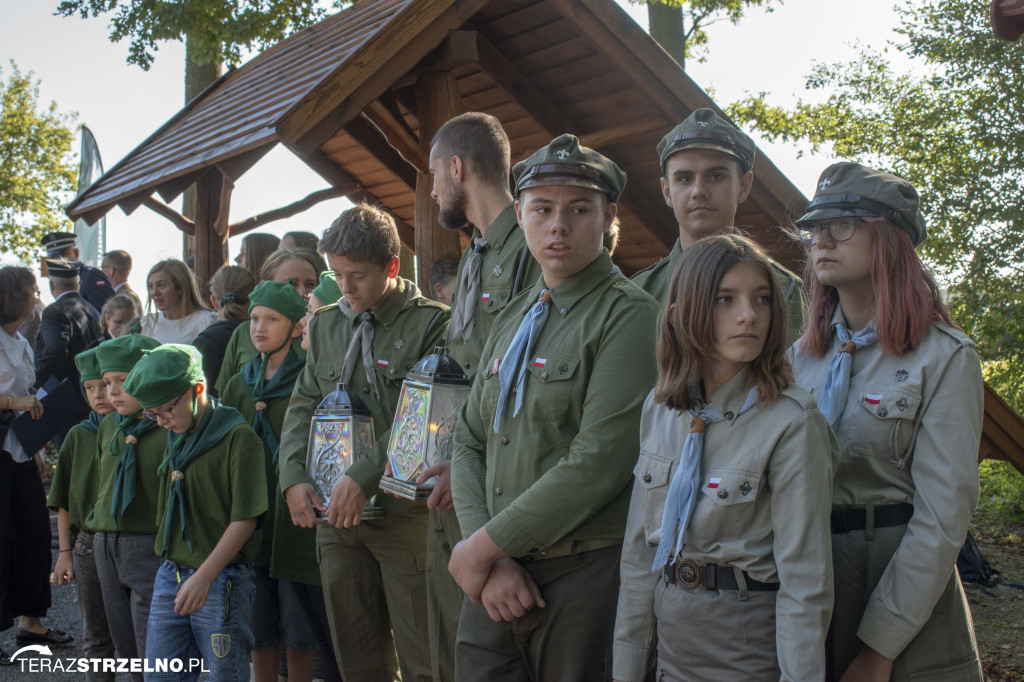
94 286
117 266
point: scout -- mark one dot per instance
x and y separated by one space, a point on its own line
372 572
72 494
124 515
902 388
706 173
469 160
545 447
260 392
213 493
726 568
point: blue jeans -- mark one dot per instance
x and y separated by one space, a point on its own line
220 632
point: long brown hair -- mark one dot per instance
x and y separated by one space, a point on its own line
686 328
184 283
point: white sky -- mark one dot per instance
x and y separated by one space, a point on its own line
84 72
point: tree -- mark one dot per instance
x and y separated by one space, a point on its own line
951 125
678 25
37 166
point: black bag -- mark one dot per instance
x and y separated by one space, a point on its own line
974 567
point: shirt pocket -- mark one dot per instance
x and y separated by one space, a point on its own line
653 474
328 372
885 423
549 386
726 506
494 298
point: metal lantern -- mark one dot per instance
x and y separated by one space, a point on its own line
432 395
340 433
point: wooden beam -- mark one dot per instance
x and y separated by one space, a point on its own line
236 166
398 135
610 136
437 100
180 221
370 138
213 200
285 211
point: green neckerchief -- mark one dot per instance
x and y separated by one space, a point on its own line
278 388
124 476
92 422
185 448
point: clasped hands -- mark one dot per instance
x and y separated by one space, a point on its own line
491 577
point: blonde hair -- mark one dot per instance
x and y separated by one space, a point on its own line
284 255
231 286
184 283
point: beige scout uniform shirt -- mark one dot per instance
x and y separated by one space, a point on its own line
559 471
879 465
763 507
502 260
656 280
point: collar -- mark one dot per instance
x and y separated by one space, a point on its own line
571 291
839 318
676 252
731 396
118 287
15 346
388 310
501 228
65 293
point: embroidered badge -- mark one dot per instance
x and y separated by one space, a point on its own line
563 154
900 375
221 645
745 488
702 124
540 362
714 483
824 183
902 404
497 271
562 369
399 344
873 398
382 363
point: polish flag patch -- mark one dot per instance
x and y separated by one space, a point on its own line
540 362
714 483
484 298
382 363
873 398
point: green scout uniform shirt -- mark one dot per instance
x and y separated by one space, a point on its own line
559 471
228 483
289 550
403 332
140 516
501 261
656 279
77 472
239 352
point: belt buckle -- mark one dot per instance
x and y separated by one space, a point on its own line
688 575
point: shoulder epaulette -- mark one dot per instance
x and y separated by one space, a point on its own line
330 306
633 292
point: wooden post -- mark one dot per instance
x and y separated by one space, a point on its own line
213 202
437 100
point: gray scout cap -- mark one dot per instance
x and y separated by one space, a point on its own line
704 129
850 189
565 162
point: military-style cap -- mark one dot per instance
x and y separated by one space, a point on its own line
565 162
62 268
279 296
327 291
850 189
88 364
704 129
163 374
57 243
124 352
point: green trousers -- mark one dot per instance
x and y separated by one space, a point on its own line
444 596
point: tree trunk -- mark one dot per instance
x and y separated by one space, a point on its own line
197 78
666 27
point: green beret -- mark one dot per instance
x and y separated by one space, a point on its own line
164 374
850 189
279 296
328 291
122 354
565 162
88 365
704 129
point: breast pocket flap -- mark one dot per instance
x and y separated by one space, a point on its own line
891 404
730 486
652 471
549 367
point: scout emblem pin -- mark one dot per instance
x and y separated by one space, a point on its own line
497 271
901 375
702 124
399 344
824 183
745 488
563 154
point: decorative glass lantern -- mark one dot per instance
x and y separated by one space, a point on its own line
428 409
340 433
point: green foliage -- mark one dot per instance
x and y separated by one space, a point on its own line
37 168
217 30
1001 504
697 15
951 124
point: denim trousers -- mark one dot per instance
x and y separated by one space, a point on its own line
220 633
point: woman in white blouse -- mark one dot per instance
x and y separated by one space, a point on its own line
180 312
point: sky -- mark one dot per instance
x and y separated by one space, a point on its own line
83 72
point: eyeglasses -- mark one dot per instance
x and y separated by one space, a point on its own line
164 412
840 230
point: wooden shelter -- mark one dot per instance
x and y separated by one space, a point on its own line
359 96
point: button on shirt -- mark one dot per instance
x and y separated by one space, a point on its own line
565 473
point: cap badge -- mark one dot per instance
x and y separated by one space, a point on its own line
702 124
824 183
563 154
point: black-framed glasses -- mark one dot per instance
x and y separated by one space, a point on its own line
164 412
839 229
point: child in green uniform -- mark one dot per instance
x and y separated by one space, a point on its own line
213 493
124 514
260 392
372 572
76 471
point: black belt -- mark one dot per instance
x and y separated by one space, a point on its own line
692 576
886 515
